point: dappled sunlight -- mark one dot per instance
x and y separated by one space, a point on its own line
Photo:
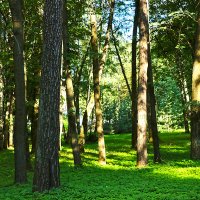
177 176
179 172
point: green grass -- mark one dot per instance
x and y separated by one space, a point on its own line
176 178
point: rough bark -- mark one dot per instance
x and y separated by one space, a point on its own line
195 116
47 173
134 76
142 86
16 7
96 77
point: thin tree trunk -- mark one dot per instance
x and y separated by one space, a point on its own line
47 170
16 7
134 76
195 118
142 87
70 95
77 90
153 118
101 64
98 111
152 101
122 66
10 139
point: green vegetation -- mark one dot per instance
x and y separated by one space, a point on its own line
177 177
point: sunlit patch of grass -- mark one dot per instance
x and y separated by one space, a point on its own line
177 177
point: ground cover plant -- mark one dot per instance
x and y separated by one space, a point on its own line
177 177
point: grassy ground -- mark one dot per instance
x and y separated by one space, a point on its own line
177 177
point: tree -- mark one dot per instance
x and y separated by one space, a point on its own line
134 76
195 118
46 174
101 64
96 82
70 94
142 86
152 100
16 7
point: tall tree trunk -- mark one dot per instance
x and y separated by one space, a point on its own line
77 89
152 101
98 111
134 76
47 171
142 87
195 118
70 95
153 118
182 85
101 63
72 118
16 7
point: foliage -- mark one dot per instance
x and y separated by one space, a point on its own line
177 178
169 109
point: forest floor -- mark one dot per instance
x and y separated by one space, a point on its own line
177 177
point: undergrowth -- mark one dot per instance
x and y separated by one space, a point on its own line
176 178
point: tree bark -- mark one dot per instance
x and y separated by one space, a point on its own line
47 172
16 7
195 116
70 95
134 76
142 87
96 77
101 64
153 118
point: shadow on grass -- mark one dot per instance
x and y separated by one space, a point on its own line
177 178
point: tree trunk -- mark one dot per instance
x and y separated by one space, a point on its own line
10 139
70 95
122 66
8 123
153 118
181 82
134 76
142 87
98 111
47 172
20 112
101 64
195 118
34 125
1 107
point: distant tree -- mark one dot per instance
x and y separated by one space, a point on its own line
142 86
195 118
47 173
16 7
